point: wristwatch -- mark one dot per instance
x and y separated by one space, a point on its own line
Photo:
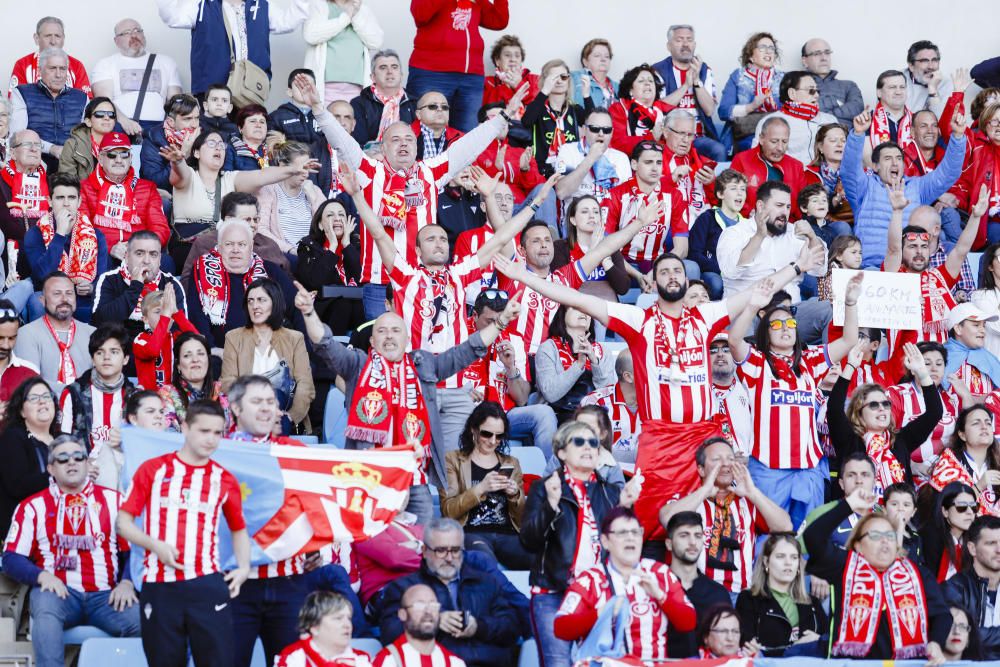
503 114
798 271
516 374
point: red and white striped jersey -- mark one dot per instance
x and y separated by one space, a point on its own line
622 206
689 187
937 302
433 305
747 524
34 529
537 310
401 653
182 504
468 243
304 654
733 403
646 637
106 412
670 358
407 200
489 375
980 385
908 404
784 409
625 424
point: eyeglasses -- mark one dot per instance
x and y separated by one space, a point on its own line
490 435
422 606
927 61
993 123
965 507
766 48
600 129
809 91
214 143
563 77
119 155
129 33
104 114
824 52
790 323
875 405
719 349
436 107
881 535
579 441
628 532
33 399
686 135
496 294
37 145
726 632
441 552
64 458
961 627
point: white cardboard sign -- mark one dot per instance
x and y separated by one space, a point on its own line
887 301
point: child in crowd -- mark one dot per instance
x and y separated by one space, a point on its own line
216 107
153 348
731 192
844 253
814 203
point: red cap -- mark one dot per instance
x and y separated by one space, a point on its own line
114 140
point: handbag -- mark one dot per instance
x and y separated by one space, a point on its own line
746 126
248 82
607 638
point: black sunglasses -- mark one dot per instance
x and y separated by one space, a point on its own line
875 405
490 435
63 459
600 129
104 114
436 107
580 441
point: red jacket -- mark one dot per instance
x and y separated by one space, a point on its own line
751 164
624 120
520 182
448 37
979 170
148 206
914 166
495 90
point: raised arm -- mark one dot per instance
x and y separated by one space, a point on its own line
465 151
612 243
505 233
838 349
809 258
777 519
852 170
917 431
936 183
694 500
594 306
386 248
178 13
252 181
339 139
758 297
894 241
963 245
571 180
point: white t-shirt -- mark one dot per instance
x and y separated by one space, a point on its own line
125 74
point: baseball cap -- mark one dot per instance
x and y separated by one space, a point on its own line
114 140
968 311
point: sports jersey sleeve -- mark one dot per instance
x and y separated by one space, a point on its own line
232 506
137 497
948 279
817 362
401 275
625 320
751 369
21 537
679 225
715 314
573 274
578 611
467 270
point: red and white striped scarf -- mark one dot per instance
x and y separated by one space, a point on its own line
341 270
388 406
29 192
888 470
76 518
901 590
115 201
587 553
390 109
80 263
559 128
147 287
762 79
800 110
879 132
211 282
67 368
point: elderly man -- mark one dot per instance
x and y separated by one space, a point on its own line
392 394
839 97
119 203
688 83
49 34
77 568
867 192
927 87
800 108
420 614
56 343
590 166
683 162
383 103
24 189
49 106
137 82
769 160
478 623
434 135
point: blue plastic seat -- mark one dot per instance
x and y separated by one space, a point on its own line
112 652
307 439
529 654
520 580
368 645
531 459
335 418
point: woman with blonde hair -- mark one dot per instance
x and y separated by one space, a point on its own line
287 207
553 118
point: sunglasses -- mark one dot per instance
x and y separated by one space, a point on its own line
719 349
436 107
966 507
915 236
790 323
600 129
563 77
579 441
490 435
496 294
104 114
875 405
119 155
8 314
64 458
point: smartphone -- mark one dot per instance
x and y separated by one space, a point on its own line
507 471
465 620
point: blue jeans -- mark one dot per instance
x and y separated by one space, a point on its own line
552 651
692 270
18 294
538 421
373 300
421 504
268 608
51 615
464 93
831 230
710 148
798 491
715 285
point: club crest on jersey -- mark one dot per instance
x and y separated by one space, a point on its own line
393 209
76 512
372 408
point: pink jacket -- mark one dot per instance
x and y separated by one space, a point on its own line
267 201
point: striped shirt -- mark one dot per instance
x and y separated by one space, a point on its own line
908 404
401 653
468 243
294 215
106 411
621 207
182 504
304 654
625 424
670 358
33 535
536 310
489 375
747 524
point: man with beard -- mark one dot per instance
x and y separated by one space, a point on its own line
749 251
55 343
13 370
927 87
669 345
477 622
420 612
686 546
732 396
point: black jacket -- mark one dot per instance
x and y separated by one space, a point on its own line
551 535
80 393
703 594
459 210
368 115
152 165
115 300
967 589
316 268
703 239
224 127
23 473
298 125
538 121
761 617
482 594
828 562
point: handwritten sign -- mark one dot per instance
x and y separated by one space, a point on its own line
887 300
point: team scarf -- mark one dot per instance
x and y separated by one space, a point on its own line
29 192
916 156
402 191
116 201
723 541
938 302
243 149
762 80
147 287
587 552
388 406
174 136
645 118
390 109
559 128
781 366
901 590
67 368
888 470
339 266
879 132
76 518
211 282
800 110
566 354
948 469
80 263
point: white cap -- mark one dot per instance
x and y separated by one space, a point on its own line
968 311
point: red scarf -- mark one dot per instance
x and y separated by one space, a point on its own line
888 470
879 132
762 79
67 369
390 109
30 192
80 263
782 368
645 117
900 590
388 406
174 136
567 356
341 271
398 196
938 302
76 519
948 469
95 147
587 552
116 201
801 110
211 282
147 287
558 133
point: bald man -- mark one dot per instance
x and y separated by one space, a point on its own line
839 97
431 126
420 613
392 394
623 408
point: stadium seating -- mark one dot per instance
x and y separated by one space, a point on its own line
529 654
531 459
127 652
520 580
369 646
334 417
